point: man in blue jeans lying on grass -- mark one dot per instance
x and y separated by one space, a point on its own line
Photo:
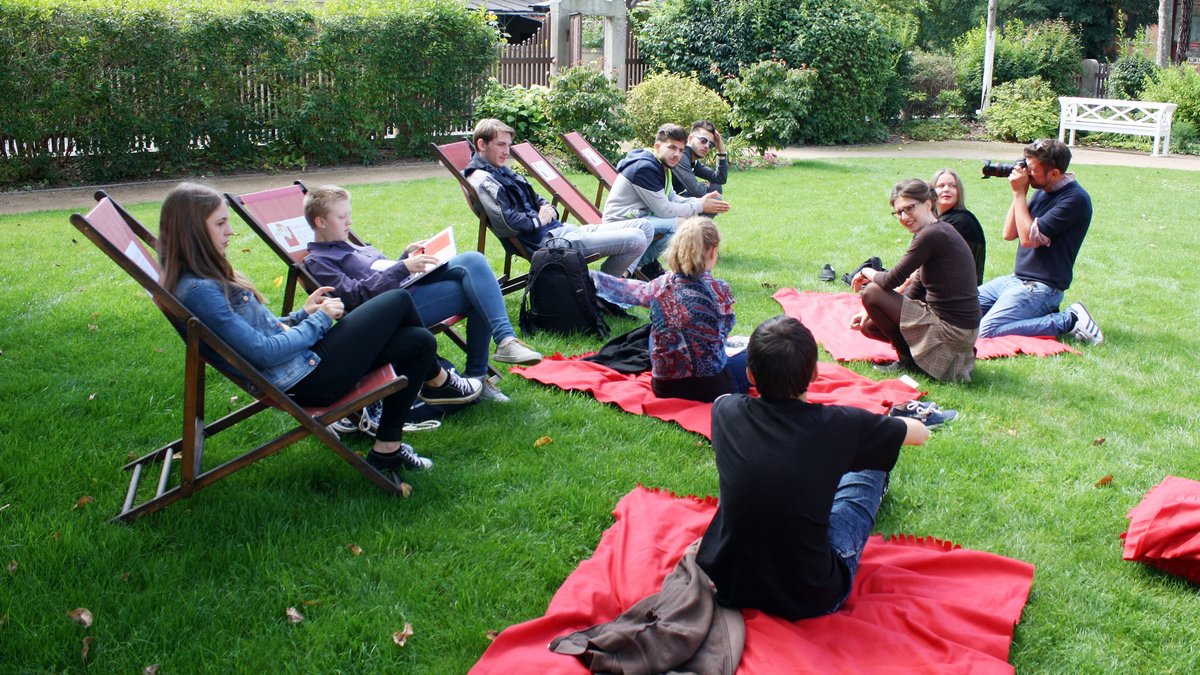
800 483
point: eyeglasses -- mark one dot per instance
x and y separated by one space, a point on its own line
706 142
906 210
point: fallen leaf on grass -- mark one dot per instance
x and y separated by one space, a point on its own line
245 250
1098 441
492 635
158 350
1012 432
56 536
130 456
125 576
233 399
92 396
178 455
12 567
767 284
83 501
405 490
87 647
74 240
151 669
544 440
400 637
1107 480
93 327
277 282
311 603
81 616
293 616
354 548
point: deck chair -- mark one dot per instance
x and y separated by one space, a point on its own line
593 161
115 232
455 157
573 202
277 216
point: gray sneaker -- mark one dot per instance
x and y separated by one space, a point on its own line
1086 329
512 350
456 389
492 393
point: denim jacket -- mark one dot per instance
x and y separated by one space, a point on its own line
276 346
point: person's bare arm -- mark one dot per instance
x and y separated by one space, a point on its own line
917 432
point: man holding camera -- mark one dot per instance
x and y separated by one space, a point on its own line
1050 226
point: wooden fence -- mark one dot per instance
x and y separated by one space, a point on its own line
529 63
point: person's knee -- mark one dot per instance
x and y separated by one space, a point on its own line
873 297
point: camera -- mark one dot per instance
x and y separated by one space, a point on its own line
1001 169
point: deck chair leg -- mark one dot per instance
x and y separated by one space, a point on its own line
599 194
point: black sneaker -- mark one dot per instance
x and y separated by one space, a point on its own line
827 273
404 458
456 389
873 262
651 270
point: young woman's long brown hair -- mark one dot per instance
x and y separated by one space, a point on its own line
184 245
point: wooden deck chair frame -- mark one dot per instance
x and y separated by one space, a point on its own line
573 202
246 206
128 244
593 161
455 157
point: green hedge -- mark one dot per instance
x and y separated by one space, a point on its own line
228 85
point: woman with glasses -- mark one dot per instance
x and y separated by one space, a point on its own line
933 325
950 208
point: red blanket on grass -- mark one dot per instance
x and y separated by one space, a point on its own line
1164 529
827 315
918 605
834 385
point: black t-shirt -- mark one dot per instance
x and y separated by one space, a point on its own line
780 462
968 226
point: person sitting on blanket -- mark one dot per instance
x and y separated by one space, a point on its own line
306 354
464 286
512 204
950 209
643 190
800 483
691 314
933 325
1050 228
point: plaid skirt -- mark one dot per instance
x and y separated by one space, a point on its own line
943 351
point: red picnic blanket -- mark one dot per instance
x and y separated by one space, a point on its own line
1164 529
834 385
918 605
827 315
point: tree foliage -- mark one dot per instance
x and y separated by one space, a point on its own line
1049 50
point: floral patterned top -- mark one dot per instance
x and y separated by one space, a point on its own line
690 317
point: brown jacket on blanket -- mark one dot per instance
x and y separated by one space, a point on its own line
680 629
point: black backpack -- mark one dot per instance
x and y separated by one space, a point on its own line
560 296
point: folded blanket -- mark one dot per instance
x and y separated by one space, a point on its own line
835 385
827 315
1164 529
918 605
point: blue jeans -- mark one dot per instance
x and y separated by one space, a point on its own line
665 227
623 241
1015 307
852 518
466 286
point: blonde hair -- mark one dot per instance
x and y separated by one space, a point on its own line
488 129
184 245
319 201
962 198
688 251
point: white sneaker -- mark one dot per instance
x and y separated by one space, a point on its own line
492 393
512 350
1086 329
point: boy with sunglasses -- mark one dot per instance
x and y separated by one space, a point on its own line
690 177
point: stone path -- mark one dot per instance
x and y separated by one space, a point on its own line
132 193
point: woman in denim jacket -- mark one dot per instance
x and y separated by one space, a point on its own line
305 353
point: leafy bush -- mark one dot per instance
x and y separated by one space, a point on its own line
522 108
585 100
929 74
852 53
950 102
230 84
1179 85
666 97
1127 76
769 102
926 129
1022 111
1049 50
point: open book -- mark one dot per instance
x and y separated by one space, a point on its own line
440 246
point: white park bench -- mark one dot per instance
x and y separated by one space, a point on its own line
1141 118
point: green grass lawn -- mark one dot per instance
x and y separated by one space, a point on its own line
90 373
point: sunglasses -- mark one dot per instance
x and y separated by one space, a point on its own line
905 210
706 142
